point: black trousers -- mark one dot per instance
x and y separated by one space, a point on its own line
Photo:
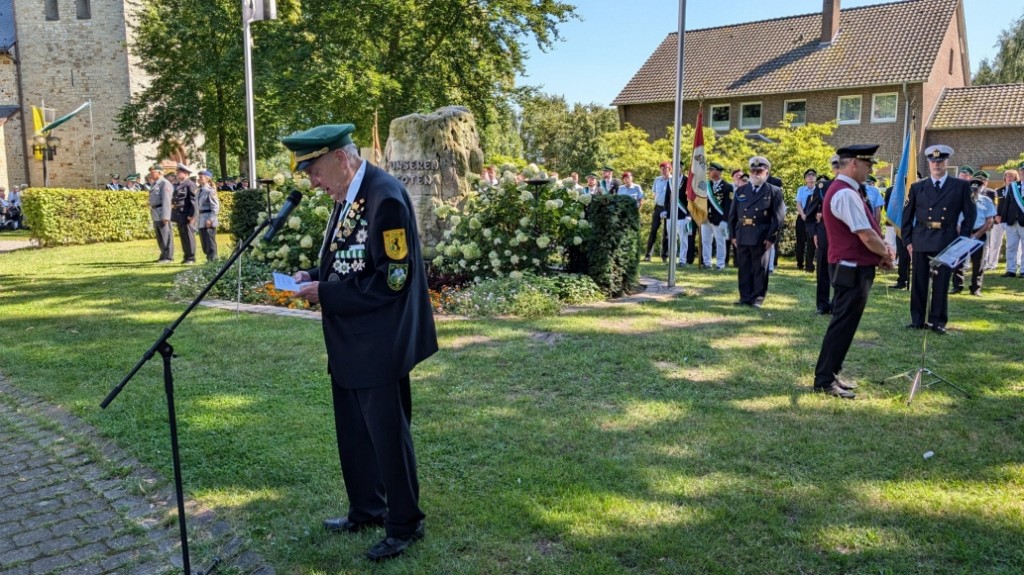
187 233
977 270
903 268
847 309
823 296
208 239
752 272
377 457
164 240
922 276
804 247
652 236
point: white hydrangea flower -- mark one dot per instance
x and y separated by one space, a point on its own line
576 240
438 261
583 224
474 224
303 183
524 221
514 260
306 241
517 275
278 179
456 220
322 211
497 241
564 220
275 195
584 199
487 233
551 204
525 196
294 222
543 242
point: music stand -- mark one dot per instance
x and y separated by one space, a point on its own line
952 257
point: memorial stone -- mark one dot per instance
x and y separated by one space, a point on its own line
433 155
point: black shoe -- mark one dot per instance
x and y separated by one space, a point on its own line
1009 275
391 547
956 290
899 285
647 258
344 524
939 329
835 391
913 325
824 310
740 302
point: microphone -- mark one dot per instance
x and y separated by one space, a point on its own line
293 200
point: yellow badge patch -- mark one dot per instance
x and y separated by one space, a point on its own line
395 245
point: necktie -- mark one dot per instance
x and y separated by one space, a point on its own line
938 184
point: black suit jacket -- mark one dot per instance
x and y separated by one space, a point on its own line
765 210
1009 210
723 194
614 189
930 217
377 325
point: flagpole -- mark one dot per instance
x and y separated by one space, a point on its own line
677 175
250 114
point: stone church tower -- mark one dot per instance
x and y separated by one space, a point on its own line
64 53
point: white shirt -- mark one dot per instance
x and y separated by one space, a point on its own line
848 207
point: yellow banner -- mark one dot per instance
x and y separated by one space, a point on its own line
37 123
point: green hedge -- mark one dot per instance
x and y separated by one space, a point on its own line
59 216
611 252
247 206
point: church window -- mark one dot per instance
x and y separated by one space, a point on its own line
52 11
83 9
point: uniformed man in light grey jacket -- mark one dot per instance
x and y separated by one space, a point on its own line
160 193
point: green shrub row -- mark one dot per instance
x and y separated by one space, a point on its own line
610 254
59 216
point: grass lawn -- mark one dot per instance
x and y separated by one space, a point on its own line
675 437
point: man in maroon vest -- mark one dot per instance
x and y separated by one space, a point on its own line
855 247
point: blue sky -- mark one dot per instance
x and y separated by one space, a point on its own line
601 51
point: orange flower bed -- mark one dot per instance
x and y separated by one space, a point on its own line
283 298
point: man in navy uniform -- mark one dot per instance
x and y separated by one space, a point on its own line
855 247
372 289
755 219
185 212
935 206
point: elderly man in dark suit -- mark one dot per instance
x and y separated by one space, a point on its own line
935 206
372 289
755 218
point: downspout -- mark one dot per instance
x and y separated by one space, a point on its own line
21 112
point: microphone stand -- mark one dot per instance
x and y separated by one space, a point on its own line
166 351
918 376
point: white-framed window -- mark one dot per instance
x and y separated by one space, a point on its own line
720 117
848 110
799 110
750 116
884 108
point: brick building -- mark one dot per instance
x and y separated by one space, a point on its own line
64 53
866 68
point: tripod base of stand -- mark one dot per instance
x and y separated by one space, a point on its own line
923 377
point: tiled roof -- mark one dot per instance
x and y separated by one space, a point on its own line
876 45
997 106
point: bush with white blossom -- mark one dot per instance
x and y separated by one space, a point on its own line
508 228
297 245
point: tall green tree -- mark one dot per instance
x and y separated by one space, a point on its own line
327 61
1008 65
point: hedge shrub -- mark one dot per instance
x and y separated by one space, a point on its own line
610 254
247 205
59 216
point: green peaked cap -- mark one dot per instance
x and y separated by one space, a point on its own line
315 142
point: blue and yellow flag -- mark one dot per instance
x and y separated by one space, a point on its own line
906 174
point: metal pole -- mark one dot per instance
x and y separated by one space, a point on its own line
673 222
92 144
250 117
